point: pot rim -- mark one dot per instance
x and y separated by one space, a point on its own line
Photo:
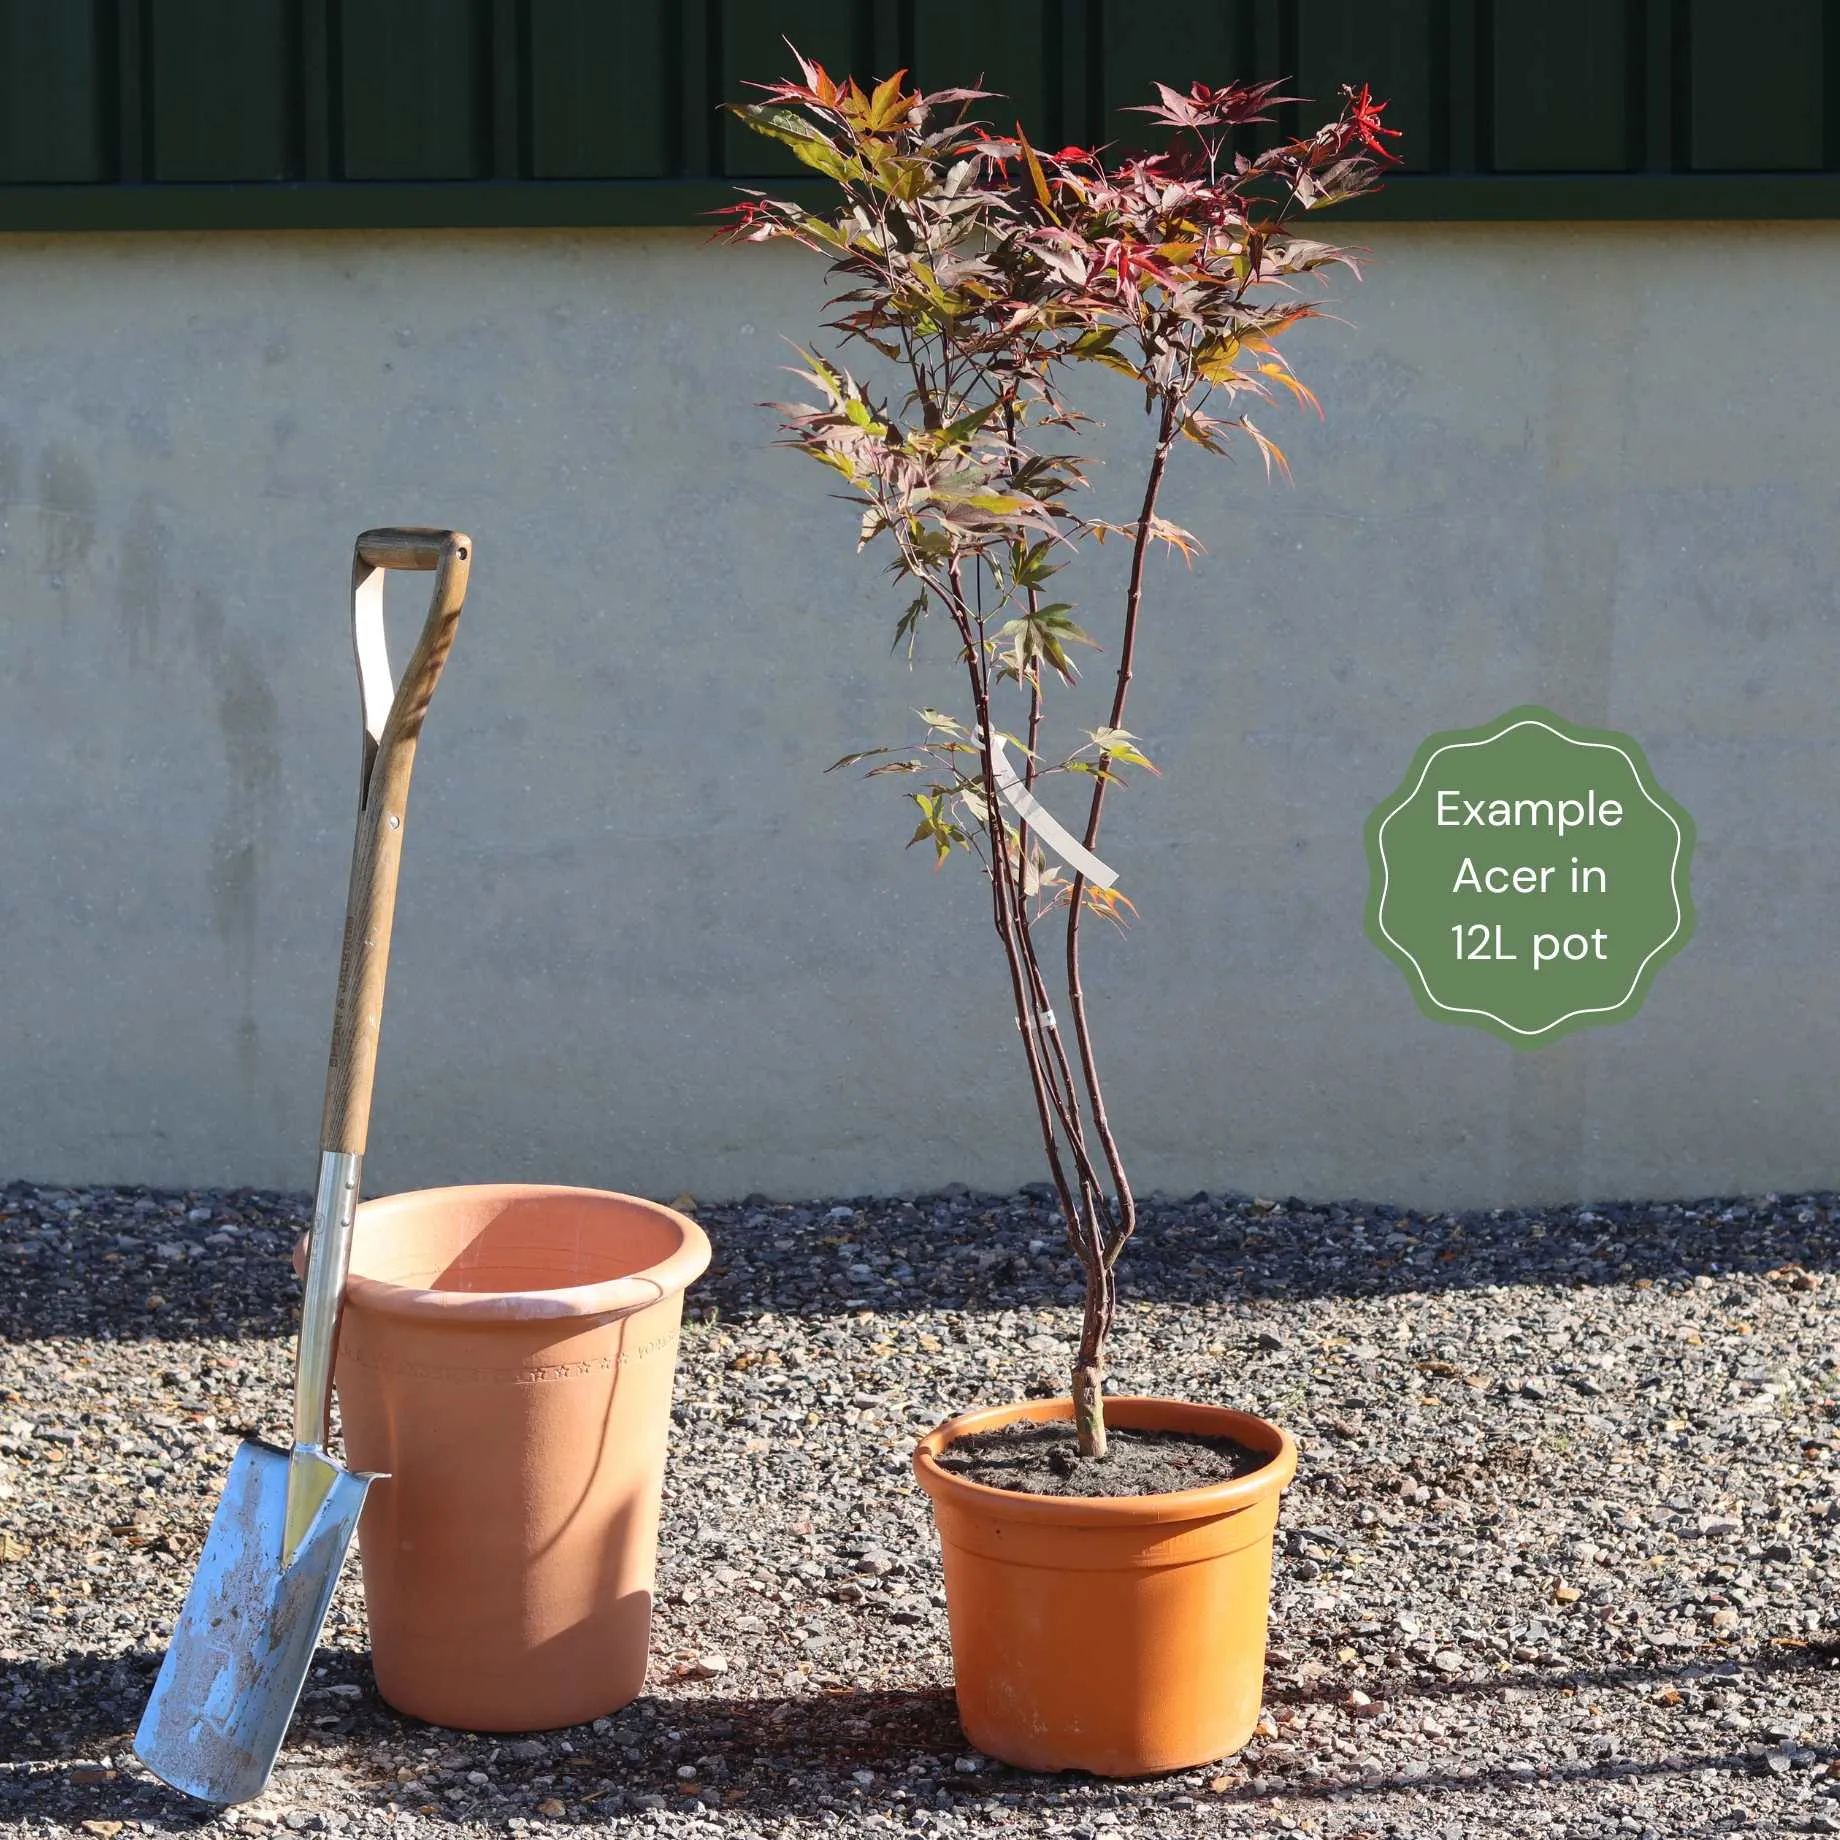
1138 1411
609 1297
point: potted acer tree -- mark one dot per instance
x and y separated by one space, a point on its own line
1107 1562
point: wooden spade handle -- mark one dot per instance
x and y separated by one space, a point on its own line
383 796
407 549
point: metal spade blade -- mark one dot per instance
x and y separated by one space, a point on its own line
244 1641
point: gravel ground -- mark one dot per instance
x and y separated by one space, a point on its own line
1560 1559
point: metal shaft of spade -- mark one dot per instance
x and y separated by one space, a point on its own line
311 1472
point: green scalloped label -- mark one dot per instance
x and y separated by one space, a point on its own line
1529 877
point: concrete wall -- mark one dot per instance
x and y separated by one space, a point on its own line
643 941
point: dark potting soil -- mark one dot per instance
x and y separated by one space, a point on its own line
1044 1459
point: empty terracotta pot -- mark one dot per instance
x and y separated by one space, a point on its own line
1122 1636
505 1358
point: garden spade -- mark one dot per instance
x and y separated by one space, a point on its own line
243 1642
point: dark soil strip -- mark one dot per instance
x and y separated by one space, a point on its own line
1044 1459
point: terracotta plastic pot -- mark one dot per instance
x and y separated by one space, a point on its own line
505 1358
1118 1636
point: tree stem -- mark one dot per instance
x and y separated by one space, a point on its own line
1102 1296
1089 1408
1092 1254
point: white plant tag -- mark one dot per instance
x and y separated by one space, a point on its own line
1044 824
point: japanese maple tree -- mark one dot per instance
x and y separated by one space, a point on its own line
978 274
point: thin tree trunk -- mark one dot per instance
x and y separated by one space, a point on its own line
1089 1367
1009 926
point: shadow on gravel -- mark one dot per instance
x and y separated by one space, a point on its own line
771 1754
1529 1782
58 1719
76 1707
104 1274
1812 1657
972 1252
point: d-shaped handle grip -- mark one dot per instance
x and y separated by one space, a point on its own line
411 547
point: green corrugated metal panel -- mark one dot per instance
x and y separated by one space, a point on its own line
1398 50
1757 96
220 82
1205 41
606 111
416 86
604 101
1013 48
839 34
57 90
1564 90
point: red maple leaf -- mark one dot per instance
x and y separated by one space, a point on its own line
1364 118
